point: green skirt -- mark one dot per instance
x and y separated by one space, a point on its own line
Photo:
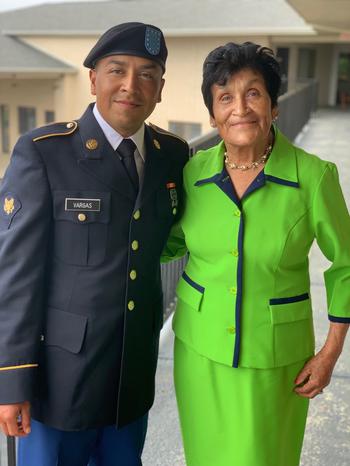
238 417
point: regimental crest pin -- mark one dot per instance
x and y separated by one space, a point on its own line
9 205
152 40
91 144
156 143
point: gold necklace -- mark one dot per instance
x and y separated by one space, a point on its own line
254 165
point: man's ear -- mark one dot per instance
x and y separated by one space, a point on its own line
92 76
160 90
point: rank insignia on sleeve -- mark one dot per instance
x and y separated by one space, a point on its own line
9 205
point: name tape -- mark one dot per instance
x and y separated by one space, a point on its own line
91 205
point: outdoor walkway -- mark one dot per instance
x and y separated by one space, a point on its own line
327 440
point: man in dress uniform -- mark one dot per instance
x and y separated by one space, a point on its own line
85 210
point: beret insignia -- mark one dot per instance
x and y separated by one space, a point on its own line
152 40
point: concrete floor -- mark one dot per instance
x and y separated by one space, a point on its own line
327 439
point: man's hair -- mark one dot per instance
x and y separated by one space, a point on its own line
226 60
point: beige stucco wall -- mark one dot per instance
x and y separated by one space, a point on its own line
69 94
24 93
182 100
72 93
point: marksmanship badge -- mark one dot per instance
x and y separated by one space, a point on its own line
152 40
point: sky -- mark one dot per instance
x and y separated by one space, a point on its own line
6 5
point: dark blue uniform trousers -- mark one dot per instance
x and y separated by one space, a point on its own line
107 446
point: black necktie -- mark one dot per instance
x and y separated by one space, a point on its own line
126 150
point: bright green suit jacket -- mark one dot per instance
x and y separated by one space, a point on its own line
244 297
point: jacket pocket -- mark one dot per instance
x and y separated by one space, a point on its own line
292 329
190 292
294 308
81 226
65 330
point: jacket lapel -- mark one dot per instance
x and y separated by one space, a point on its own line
211 171
281 166
156 166
98 157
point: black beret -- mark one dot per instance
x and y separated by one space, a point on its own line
138 39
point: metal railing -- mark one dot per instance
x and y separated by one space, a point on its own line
295 108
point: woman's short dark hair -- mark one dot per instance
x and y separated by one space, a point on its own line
224 61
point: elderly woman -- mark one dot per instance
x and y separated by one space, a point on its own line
244 350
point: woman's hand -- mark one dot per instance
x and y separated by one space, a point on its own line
317 373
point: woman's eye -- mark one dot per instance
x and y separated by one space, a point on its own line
253 93
225 98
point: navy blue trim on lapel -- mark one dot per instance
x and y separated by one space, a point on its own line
257 183
222 181
225 184
212 179
274 179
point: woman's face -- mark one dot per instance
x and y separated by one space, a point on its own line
242 110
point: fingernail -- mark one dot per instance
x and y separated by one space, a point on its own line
27 430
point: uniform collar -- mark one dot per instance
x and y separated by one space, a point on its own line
281 167
114 138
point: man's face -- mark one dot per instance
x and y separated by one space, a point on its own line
127 89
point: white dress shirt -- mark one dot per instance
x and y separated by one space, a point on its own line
114 138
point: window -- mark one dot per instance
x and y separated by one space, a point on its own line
306 63
5 125
49 116
26 119
187 131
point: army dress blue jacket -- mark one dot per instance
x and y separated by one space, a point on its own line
80 286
